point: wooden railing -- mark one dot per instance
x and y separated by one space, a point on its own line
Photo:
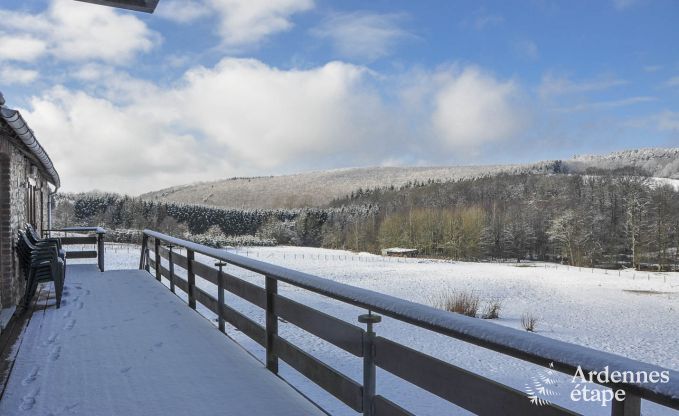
470 391
95 237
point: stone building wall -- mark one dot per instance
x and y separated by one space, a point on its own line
15 170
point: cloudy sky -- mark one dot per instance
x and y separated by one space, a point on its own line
208 89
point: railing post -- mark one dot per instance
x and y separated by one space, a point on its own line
271 286
147 266
169 259
156 248
143 258
191 278
100 250
630 406
369 376
220 295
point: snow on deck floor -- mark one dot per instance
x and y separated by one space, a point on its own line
121 344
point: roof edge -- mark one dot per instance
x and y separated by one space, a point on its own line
20 127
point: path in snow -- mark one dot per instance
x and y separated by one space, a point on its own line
123 345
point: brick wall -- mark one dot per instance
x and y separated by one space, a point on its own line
14 174
6 251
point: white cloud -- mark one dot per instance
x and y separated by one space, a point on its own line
667 121
14 75
242 23
243 117
554 85
527 49
474 109
625 4
363 35
182 11
20 48
75 31
673 82
602 105
652 68
481 19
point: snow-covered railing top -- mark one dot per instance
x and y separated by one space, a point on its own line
97 230
564 357
80 239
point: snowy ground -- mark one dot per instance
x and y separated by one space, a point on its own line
628 313
121 345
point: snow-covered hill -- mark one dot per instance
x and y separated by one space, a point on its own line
319 188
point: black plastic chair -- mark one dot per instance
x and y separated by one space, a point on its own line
40 263
33 236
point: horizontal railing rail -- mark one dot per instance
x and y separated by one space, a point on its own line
95 237
456 385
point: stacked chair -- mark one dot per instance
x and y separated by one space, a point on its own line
41 260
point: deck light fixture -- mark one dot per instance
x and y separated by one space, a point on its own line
147 6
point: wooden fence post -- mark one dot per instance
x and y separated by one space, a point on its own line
369 376
170 247
100 250
271 286
156 248
220 295
143 259
631 406
191 278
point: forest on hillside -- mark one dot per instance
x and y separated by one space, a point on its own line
599 218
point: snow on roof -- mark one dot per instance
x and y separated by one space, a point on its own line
16 122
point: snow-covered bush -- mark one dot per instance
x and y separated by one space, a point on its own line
529 321
464 303
492 309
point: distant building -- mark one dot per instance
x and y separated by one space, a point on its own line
399 252
26 173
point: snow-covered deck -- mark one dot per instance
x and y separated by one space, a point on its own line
123 345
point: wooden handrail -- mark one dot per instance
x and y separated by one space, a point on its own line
97 240
561 356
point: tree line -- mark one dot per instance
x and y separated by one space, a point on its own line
603 218
598 219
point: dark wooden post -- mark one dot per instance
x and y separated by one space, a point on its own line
631 406
143 260
100 249
156 248
369 377
220 295
147 266
171 261
191 277
271 286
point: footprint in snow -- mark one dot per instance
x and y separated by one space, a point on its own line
55 354
70 324
67 314
51 339
80 305
28 401
125 370
31 376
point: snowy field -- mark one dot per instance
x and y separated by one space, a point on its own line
628 313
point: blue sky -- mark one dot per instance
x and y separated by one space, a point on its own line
207 89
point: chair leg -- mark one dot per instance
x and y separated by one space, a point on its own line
31 286
59 285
